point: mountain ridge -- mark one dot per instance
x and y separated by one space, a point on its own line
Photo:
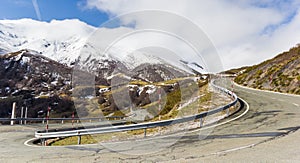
73 42
59 40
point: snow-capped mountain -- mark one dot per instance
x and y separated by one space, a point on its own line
39 61
59 40
72 42
64 41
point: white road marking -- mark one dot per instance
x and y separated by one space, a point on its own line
233 149
286 94
296 104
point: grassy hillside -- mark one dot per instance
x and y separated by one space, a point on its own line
281 74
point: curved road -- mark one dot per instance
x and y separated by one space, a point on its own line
268 132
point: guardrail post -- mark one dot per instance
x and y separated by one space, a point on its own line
43 142
227 112
159 99
201 122
79 139
145 132
46 143
13 113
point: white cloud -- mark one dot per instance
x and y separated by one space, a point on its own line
244 32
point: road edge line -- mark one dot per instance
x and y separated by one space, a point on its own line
267 91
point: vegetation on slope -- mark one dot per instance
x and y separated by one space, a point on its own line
281 73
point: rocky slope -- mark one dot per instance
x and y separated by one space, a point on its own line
281 73
34 81
27 71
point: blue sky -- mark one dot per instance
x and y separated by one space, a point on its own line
51 9
244 32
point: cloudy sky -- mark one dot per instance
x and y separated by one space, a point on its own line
244 32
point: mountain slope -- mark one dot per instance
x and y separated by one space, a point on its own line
281 73
28 71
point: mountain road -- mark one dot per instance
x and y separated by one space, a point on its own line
268 132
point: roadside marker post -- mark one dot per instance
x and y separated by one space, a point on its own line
13 113
145 132
47 118
227 112
73 119
26 109
159 108
159 98
201 122
22 112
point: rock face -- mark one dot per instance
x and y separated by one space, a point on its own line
281 73
34 81
27 71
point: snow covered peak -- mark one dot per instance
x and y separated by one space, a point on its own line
71 41
60 40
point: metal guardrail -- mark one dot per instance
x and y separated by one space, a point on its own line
119 128
59 119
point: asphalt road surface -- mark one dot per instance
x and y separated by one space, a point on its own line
268 132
